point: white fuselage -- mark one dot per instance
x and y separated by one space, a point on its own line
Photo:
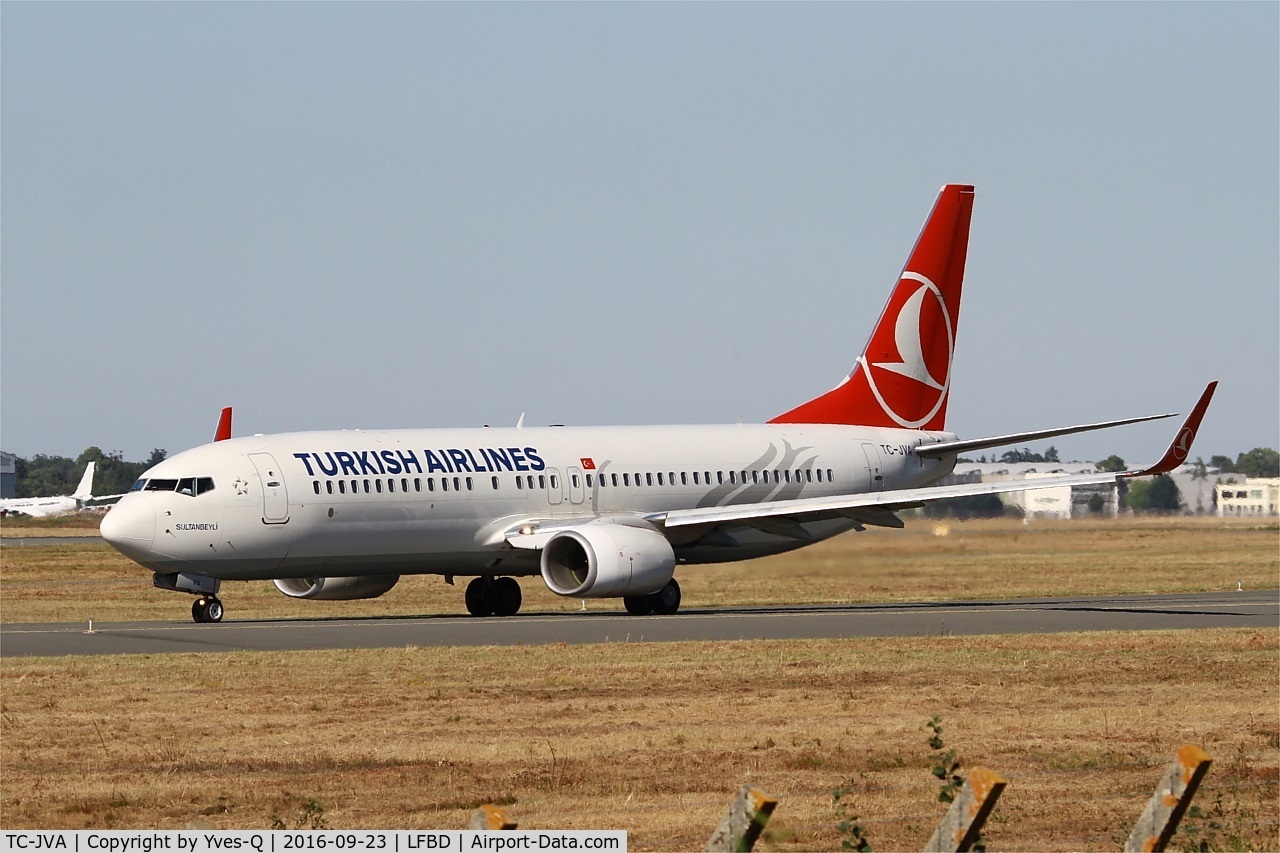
40 507
350 503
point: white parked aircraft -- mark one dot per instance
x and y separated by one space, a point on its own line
598 512
58 505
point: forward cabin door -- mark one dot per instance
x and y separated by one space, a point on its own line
275 498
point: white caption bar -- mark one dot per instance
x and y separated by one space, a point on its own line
309 841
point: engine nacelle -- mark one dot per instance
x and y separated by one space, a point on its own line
607 561
337 589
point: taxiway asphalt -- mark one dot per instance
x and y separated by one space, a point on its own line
1255 609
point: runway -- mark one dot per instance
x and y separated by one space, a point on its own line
1253 609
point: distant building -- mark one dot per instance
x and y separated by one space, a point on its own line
1255 496
1052 502
8 475
1200 489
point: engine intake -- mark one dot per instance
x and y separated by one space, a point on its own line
607 561
337 589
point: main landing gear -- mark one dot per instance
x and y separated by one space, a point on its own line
489 596
206 608
664 602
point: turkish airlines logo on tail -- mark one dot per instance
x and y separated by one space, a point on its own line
913 389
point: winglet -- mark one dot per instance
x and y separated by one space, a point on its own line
224 426
1180 448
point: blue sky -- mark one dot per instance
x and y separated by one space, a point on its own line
400 215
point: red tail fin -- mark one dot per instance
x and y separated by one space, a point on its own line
903 377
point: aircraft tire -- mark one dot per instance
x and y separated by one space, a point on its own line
666 600
206 610
638 605
505 597
213 610
478 598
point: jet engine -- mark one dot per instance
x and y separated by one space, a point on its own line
607 561
337 589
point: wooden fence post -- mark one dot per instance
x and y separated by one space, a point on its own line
490 817
959 828
743 823
1164 810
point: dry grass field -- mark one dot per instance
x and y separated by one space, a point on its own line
974 560
654 737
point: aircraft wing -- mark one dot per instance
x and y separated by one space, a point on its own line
873 508
877 507
952 448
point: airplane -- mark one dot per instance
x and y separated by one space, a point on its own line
597 512
58 505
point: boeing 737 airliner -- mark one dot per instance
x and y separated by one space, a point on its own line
598 512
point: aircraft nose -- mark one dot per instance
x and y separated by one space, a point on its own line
130 526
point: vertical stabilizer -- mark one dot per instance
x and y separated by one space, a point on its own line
84 491
903 377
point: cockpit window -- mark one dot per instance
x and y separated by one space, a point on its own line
190 486
138 486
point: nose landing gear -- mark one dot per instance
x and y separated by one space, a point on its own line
206 608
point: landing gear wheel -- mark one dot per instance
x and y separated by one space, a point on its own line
478 598
666 600
206 610
213 610
505 597
638 605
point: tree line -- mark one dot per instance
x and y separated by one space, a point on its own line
44 476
